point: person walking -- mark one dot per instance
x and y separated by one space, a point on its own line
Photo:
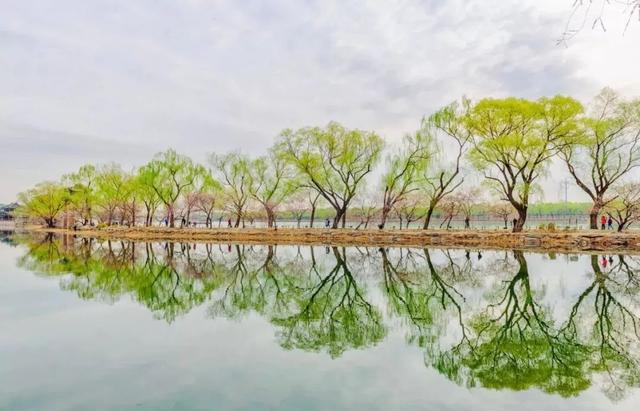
603 222
327 223
610 223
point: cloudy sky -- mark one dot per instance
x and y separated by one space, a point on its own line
98 81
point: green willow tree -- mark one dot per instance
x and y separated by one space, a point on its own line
171 174
333 160
46 201
114 189
514 139
607 150
145 192
442 178
403 170
271 183
83 191
208 198
233 173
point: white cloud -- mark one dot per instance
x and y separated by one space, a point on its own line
217 75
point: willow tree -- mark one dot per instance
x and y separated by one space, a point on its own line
404 170
170 174
46 201
83 193
144 179
443 175
271 182
233 173
208 198
608 149
513 140
114 189
333 160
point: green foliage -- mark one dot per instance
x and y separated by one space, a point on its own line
82 185
233 169
170 175
333 160
45 201
271 181
514 139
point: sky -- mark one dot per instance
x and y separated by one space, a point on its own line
119 80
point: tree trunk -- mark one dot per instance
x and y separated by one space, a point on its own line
270 217
594 213
147 217
427 219
171 216
339 216
344 218
313 215
237 224
522 218
383 218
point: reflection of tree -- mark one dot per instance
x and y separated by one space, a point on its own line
515 345
108 271
262 288
612 338
419 295
331 314
503 337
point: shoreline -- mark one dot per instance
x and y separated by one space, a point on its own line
534 240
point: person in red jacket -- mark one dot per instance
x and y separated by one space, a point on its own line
603 222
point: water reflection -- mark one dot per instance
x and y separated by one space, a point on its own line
481 319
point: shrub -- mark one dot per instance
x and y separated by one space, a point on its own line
551 227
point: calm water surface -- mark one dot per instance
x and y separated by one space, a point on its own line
98 325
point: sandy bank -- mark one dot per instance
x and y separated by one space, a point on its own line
583 240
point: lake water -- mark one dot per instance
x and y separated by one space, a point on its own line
99 325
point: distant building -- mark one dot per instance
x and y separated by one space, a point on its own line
6 211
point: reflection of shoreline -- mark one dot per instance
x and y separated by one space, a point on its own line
7 225
569 241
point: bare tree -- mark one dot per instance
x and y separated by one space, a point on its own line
410 209
591 12
502 210
366 204
468 199
625 210
297 205
450 207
